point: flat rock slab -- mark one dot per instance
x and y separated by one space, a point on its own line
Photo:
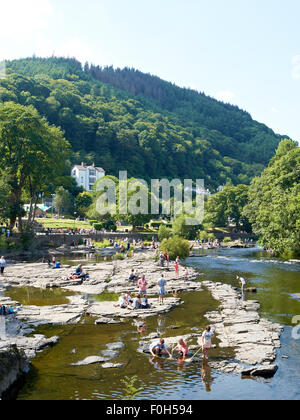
55 315
108 309
30 345
103 321
115 346
261 371
92 360
238 325
112 365
110 354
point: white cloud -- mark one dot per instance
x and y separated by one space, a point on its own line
296 67
225 96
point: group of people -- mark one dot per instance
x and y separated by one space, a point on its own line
127 301
159 348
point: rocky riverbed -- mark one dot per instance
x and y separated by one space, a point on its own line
237 323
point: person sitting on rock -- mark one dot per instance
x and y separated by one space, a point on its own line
137 303
128 299
121 302
145 303
133 276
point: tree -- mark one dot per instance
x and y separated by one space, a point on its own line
175 247
82 203
227 207
274 202
32 154
63 202
164 232
180 228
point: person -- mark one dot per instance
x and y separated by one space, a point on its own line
137 304
243 283
142 283
168 262
53 260
145 303
182 348
186 273
2 265
57 265
128 299
78 271
176 267
162 259
161 289
121 302
133 276
206 341
159 349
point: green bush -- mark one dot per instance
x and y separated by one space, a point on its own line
203 236
119 256
164 233
175 247
227 240
98 226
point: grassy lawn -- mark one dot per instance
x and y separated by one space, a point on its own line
63 224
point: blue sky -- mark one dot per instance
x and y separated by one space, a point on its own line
240 51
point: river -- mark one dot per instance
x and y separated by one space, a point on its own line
54 378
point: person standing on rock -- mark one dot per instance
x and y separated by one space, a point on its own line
161 289
2 265
206 341
142 283
176 268
243 283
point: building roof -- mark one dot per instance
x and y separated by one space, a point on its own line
85 168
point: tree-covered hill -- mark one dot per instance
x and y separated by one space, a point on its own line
126 120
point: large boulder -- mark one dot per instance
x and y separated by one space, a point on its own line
13 365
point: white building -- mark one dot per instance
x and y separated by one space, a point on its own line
86 176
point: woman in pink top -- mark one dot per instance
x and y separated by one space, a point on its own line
182 348
142 283
176 267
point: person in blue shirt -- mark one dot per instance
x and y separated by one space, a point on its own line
159 349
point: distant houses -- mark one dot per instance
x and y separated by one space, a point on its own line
87 176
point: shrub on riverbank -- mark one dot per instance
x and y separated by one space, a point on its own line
175 247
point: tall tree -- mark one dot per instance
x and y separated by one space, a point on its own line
32 155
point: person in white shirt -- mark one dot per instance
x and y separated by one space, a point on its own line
243 283
2 265
206 341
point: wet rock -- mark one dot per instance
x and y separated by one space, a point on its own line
112 365
116 346
103 320
90 361
13 365
110 354
261 371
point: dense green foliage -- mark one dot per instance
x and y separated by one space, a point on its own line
175 247
274 202
227 207
32 156
126 120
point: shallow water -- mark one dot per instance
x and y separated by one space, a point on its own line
32 296
276 281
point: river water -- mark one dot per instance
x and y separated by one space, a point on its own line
277 281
